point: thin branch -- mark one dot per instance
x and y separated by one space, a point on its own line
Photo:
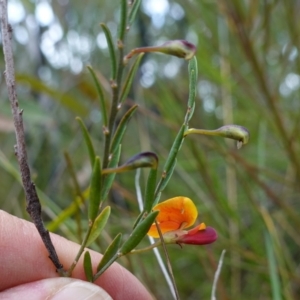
217 275
33 205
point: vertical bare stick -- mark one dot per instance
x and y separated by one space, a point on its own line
217 275
33 205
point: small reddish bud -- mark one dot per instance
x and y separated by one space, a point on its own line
201 237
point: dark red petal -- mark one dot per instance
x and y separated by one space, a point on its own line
202 237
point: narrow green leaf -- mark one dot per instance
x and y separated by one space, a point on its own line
98 225
87 265
109 178
123 19
171 162
138 233
110 255
88 141
95 190
111 49
150 190
139 218
130 77
175 148
133 11
100 95
273 271
122 128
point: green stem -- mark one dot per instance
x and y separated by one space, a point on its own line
80 251
116 88
141 50
203 131
135 251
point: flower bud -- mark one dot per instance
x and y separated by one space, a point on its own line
235 132
201 237
140 160
179 48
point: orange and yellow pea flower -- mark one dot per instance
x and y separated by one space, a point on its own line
174 216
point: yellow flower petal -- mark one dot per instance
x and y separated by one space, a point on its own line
179 212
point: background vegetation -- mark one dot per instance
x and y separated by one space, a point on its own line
249 66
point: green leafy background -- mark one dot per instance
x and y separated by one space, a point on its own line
249 74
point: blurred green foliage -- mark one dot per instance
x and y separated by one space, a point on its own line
249 74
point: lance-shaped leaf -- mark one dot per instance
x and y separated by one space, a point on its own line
130 77
88 141
110 255
133 11
138 233
139 219
235 132
111 49
100 95
150 190
149 196
123 19
122 128
95 191
140 160
87 265
175 148
193 75
98 225
109 178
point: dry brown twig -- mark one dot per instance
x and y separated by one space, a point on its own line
33 205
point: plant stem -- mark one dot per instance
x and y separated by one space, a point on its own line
150 247
80 251
33 205
116 88
168 261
